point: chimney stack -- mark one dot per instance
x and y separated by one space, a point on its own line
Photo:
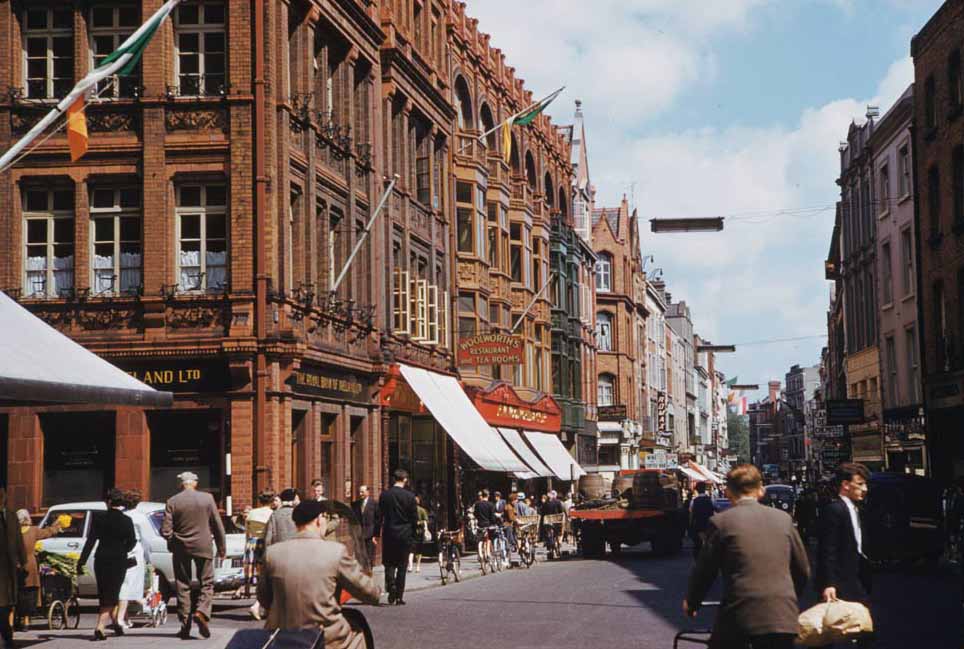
774 395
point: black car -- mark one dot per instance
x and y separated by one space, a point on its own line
902 518
780 496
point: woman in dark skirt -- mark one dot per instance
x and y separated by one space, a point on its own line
113 533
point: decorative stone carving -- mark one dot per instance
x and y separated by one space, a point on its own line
23 119
107 317
197 316
103 120
196 119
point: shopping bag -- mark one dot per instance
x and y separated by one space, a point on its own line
831 622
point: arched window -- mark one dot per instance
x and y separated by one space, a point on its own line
604 272
514 160
563 203
464 101
491 140
549 191
606 390
604 331
530 170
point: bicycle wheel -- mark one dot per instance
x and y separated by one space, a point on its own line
498 552
72 613
56 616
443 566
456 567
483 559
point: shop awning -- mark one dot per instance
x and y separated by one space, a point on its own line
691 474
40 364
448 403
554 455
609 427
708 476
514 439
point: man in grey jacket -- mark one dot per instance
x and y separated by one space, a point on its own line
192 527
764 566
280 526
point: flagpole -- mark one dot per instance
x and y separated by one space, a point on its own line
511 118
361 240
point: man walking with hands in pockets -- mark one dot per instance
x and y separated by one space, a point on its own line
192 527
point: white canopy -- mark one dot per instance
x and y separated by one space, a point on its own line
691 474
40 364
448 403
708 476
514 439
555 455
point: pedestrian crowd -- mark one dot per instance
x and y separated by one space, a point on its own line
764 564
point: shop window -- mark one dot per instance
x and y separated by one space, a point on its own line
329 430
115 223
78 456
48 52
356 470
49 227
109 28
200 46
202 260
299 449
185 441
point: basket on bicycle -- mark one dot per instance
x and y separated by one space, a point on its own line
522 521
554 519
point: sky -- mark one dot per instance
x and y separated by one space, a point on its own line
730 108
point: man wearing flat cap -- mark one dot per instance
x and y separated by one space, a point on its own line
302 577
193 528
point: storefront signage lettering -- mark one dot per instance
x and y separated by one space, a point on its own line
313 381
522 414
661 412
611 413
181 376
491 349
845 411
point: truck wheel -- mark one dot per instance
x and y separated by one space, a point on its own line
667 542
593 544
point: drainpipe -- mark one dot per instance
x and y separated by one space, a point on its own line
260 250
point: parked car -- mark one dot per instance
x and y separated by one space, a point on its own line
227 574
721 504
903 518
780 496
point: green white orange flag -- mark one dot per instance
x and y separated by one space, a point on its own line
529 115
122 62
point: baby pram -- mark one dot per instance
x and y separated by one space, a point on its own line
152 610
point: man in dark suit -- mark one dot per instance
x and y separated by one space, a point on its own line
764 566
366 509
701 511
843 570
399 513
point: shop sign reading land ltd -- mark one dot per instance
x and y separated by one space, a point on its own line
180 375
491 349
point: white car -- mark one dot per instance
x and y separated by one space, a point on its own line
228 574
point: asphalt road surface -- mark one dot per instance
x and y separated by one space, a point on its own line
633 601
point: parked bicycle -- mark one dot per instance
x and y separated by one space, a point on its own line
500 548
527 533
552 525
449 560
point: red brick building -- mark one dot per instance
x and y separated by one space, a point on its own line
938 157
197 243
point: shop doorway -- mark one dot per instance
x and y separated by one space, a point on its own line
299 450
356 474
329 428
189 440
78 456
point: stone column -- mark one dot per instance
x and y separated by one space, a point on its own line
25 460
132 455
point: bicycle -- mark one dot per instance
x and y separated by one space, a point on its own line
500 552
526 538
449 560
484 550
551 522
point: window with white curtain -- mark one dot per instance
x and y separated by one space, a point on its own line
48 216
115 225
606 392
604 330
604 271
202 255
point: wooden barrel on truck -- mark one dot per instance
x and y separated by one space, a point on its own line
592 486
655 489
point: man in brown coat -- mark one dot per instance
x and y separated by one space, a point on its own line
302 577
764 566
192 527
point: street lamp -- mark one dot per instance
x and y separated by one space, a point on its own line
712 224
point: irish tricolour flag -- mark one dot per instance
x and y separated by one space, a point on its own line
121 62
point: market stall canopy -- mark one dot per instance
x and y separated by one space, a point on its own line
555 455
691 474
40 364
448 403
514 439
708 476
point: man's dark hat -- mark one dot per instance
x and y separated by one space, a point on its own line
306 511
